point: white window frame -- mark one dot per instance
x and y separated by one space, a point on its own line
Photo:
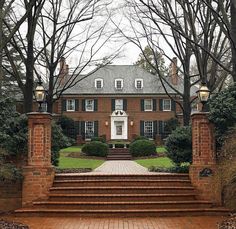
136 83
86 104
145 122
116 105
122 84
86 125
163 105
72 105
95 83
145 100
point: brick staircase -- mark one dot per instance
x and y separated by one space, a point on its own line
123 196
119 154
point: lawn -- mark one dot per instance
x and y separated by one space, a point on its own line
161 149
71 149
158 162
68 162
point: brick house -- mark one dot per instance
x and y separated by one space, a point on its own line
120 102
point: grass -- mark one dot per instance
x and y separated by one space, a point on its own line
71 149
161 149
160 162
68 162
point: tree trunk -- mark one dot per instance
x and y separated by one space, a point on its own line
233 37
1 43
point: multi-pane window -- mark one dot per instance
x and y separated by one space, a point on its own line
118 83
89 105
139 83
166 105
70 105
119 128
44 107
119 104
148 105
89 130
99 83
148 129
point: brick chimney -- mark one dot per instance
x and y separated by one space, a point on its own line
63 72
174 71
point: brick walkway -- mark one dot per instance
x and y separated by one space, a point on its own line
120 223
120 167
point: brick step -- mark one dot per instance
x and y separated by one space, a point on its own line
120 197
44 212
127 182
118 158
122 205
119 155
119 152
121 190
113 150
122 177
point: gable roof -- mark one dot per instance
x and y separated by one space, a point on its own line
151 83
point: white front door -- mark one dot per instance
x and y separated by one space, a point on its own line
119 127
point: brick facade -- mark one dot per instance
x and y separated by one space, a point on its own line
104 111
203 171
39 173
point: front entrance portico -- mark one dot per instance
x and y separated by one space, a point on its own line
119 125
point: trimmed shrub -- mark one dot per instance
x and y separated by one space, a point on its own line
95 148
175 169
140 138
171 124
179 145
99 139
141 148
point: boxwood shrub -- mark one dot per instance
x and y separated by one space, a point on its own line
95 148
98 139
179 145
141 148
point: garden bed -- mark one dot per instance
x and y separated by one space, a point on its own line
12 225
73 170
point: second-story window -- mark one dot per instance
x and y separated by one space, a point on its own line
119 84
89 105
148 106
119 104
70 105
166 105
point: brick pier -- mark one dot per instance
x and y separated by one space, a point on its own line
39 173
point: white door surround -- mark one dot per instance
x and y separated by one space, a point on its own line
119 125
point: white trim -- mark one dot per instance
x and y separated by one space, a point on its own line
95 83
163 101
136 80
151 105
152 128
73 104
86 123
122 84
121 105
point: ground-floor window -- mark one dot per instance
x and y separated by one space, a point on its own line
148 129
89 130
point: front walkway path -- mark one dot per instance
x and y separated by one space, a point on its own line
120 167
204 222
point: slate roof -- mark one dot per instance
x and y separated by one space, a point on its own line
151 83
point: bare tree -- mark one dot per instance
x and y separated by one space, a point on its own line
72 29
187 31
6 6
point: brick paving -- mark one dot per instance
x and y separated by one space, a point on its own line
121 167
205 222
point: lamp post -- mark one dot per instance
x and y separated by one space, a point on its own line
203 95
40 94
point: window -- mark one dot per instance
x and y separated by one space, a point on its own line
148 105
70 105
89 105
99 83
44 107
166 105
119 84
139 83
148 129
89 130
119 104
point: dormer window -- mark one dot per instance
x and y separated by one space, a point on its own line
119 84
98 83
139 83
